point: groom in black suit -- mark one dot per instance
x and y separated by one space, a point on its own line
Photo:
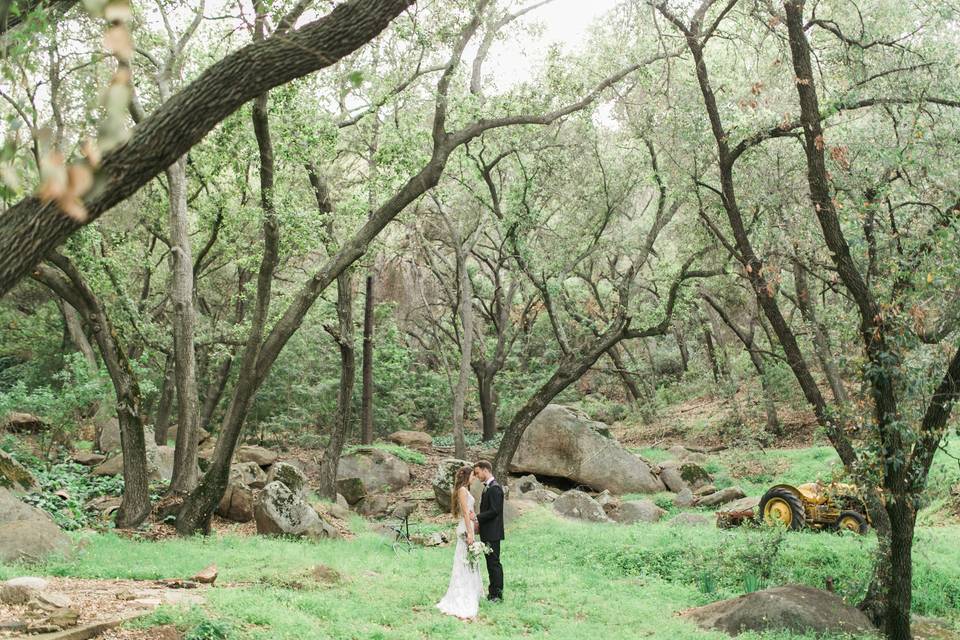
490 525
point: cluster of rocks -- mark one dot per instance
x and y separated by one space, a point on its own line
281 507
43 611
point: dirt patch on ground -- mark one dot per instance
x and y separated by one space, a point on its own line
102 600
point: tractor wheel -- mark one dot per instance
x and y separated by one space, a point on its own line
852 521
783 506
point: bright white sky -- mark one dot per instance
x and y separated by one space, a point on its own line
565 22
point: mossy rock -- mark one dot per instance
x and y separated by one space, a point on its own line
14 476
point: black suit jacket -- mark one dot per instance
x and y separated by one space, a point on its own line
490 515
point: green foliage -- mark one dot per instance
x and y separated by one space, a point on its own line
62 405
210 630
64 490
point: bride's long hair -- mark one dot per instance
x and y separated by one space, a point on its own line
462 479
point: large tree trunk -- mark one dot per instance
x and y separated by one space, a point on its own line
184 318
135 504
161 421
30 229
366 398
488 403
327 487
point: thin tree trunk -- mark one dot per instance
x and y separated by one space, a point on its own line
197 510
633 391
711 350
215 392
366 398
327 487
466 347
74 330
135 504
161 422
682 347
185 471
821 343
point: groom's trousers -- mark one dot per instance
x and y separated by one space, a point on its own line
495 570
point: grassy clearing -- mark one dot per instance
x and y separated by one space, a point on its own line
564 579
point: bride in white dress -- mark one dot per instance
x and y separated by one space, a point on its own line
466 585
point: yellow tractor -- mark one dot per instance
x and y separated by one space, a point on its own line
833 506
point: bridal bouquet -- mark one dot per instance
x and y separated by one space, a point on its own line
476 552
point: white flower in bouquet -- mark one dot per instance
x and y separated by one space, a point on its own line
477 552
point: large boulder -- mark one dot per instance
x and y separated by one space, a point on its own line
27 533
678 476
289 475
374 505
250 474
14 476
443 479
157 464
108 435
237 501
352 489
411 439
743 504
795 608
565 443
202 436
637 511
23 423
252 453
578 505
279 511
380 471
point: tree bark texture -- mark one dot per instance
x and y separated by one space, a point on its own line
32 228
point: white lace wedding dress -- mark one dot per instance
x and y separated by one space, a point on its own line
466 585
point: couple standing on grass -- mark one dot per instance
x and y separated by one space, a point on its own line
466 585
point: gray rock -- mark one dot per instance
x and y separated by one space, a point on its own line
795 608
564 443
539 496
249 474
705 491
23 423
157 463
690 520
252 453
380 471
373 505
108 435
27 533
289 475
678 476
18 591
352 490
279 511
237 501
412 439
684 499
578 505
443 479
721 497
527 483
202 437
14 476
743 504
636 511
87 458
679 452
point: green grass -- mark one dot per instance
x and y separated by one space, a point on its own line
407 455
564 579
